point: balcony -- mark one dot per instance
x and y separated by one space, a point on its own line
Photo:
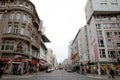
22 8
16 36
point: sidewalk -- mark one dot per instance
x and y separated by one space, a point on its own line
20 76
102 76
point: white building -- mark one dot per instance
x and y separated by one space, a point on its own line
50 57
103 22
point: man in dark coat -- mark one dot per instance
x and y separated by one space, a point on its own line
112 73
1 71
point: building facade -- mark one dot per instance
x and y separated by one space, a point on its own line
80 49
20 34
103 23
50 57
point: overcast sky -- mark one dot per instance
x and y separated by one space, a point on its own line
62 19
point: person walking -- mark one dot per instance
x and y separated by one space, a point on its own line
112 73
1 71
85 71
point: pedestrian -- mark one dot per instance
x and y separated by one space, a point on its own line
20 69
85 71
112 73
1 71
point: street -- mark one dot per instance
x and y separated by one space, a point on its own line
55 75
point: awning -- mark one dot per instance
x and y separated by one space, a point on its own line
33 62
43 60
18 58
4 59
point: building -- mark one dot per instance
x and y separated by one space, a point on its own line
70 51
50 57
80 49
20 34
103 23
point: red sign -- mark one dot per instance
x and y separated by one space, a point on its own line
96 52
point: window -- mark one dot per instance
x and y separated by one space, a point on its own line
17 17
21 3
103 4
27 4
113 17
9 28
110 54
104 17
114 4
118 44
101 43
22 31
26 49
15 3
108 34
102 53
1 15
117 34
98 26
103 0
7 45
99 33
24 18
11 16
97 18
15 30
106 26
2 4
110 43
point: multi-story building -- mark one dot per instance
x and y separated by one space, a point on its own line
103 22
20 34
50 57
70 51
80 49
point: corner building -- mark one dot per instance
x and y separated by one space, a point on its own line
103 22
20 34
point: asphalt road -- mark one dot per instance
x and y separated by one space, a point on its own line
55 75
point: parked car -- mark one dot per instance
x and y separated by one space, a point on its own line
48 70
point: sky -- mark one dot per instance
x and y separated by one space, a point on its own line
62 19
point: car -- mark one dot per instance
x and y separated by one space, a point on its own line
48 70
69 70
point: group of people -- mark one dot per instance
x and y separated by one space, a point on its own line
18 69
